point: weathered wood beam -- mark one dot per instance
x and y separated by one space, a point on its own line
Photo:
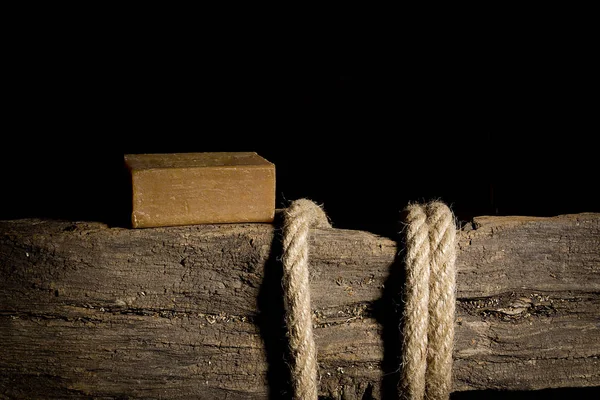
88 310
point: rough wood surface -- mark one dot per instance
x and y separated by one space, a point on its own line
91 311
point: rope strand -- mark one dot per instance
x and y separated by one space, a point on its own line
429 297
442 289
416 304
298 219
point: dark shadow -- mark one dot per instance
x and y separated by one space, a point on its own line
78 186
271 322
123 199
388 311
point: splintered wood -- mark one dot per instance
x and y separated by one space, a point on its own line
200 188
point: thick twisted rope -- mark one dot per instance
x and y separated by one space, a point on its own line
442 300
429 298
298 219
416 304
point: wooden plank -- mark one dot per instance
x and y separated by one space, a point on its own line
200 188
87 310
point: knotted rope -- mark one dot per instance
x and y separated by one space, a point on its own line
298 219
429 302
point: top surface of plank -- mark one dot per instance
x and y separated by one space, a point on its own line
195 160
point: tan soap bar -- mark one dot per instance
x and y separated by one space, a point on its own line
201 188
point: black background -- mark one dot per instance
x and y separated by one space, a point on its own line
498 123
360 115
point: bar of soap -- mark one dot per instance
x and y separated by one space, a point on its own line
200 188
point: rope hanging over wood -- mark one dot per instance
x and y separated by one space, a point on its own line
429 302
429 297
298 219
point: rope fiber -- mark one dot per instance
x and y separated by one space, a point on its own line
298 219
429 300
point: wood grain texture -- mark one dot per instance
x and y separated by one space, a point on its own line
91 311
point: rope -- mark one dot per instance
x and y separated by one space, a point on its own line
298 218
416 304
429 298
